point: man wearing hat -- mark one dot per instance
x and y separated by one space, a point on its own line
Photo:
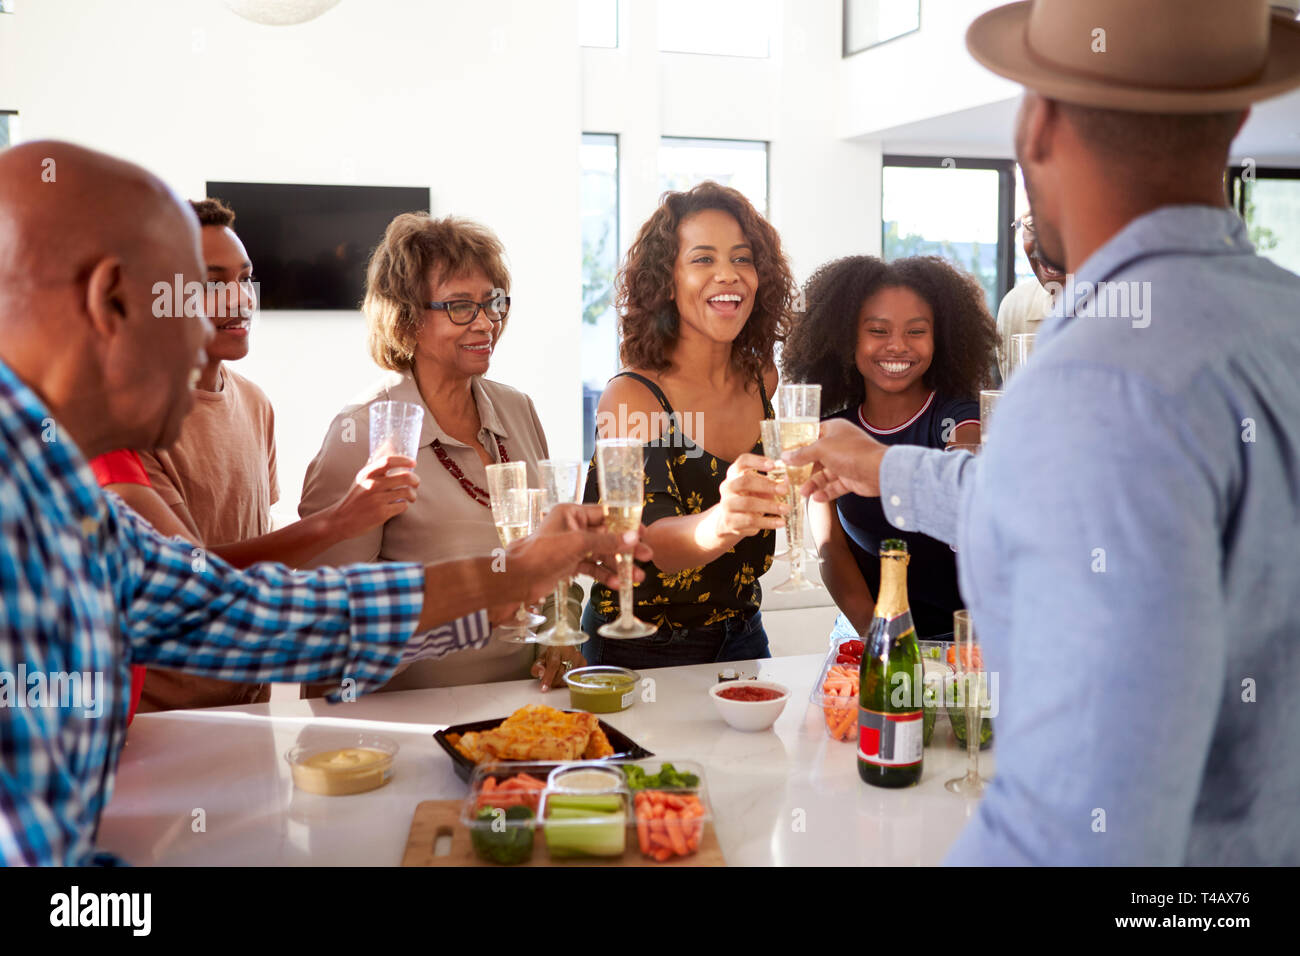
1126 538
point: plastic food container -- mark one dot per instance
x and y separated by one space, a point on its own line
501 811
601 689
839 702
584 811
335 764
749 715
957 714
936 672
670 815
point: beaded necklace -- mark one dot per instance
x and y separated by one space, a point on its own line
471 489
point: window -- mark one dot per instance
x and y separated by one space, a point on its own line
741 164
960 209
1268 199
8 128
869 23
598 23
600 253
717 27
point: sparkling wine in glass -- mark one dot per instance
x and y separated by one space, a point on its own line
989 398
503 478
772 449
620 471
972 688
798 422
560 486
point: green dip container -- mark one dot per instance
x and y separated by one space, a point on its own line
601 689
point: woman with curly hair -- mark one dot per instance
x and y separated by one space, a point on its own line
703 298
923 346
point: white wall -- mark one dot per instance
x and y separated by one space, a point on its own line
923 74
363 96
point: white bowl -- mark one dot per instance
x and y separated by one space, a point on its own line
750 714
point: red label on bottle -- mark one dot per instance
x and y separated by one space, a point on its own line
890 740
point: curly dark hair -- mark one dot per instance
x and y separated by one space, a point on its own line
648 320
820 348
213 212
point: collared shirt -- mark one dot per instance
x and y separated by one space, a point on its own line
444 521
1023 309
1127 546
87 588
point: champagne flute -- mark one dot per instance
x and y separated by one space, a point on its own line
620 470
521 514
770 431
989 398
502 478
1022 344
797 424
970 674
560 486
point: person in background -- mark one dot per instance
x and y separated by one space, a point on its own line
1024 307
922 347
1126 539
91 360
218 479
437 302
703 298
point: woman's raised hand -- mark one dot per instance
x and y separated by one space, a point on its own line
751 502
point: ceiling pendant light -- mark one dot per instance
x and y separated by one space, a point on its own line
279 13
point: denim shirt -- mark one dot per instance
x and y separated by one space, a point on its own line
1127 544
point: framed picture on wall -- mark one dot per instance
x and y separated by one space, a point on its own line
6 6
869 23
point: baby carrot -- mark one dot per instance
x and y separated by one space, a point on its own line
675 833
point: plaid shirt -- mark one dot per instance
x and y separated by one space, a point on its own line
87 588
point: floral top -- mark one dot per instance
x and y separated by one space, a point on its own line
682 478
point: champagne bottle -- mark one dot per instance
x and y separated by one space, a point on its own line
889 703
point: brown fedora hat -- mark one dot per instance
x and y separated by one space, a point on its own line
1147 56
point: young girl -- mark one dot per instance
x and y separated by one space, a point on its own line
923 345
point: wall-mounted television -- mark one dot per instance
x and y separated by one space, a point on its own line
310 244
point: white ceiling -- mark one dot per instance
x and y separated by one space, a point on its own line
1271 135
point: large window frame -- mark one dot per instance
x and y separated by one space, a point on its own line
704 141
589 401
1006 170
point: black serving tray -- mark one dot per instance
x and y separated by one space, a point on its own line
625 748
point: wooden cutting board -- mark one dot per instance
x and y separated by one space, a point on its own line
437 818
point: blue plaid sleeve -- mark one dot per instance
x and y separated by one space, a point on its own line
184 608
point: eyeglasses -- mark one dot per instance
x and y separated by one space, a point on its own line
463 311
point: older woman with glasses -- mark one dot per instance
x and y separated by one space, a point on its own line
437 301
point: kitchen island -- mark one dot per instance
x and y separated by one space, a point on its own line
212 788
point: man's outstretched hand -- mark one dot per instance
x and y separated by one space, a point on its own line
572 541
848 462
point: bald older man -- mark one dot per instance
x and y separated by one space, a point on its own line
92 359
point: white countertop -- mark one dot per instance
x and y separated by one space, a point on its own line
211 787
